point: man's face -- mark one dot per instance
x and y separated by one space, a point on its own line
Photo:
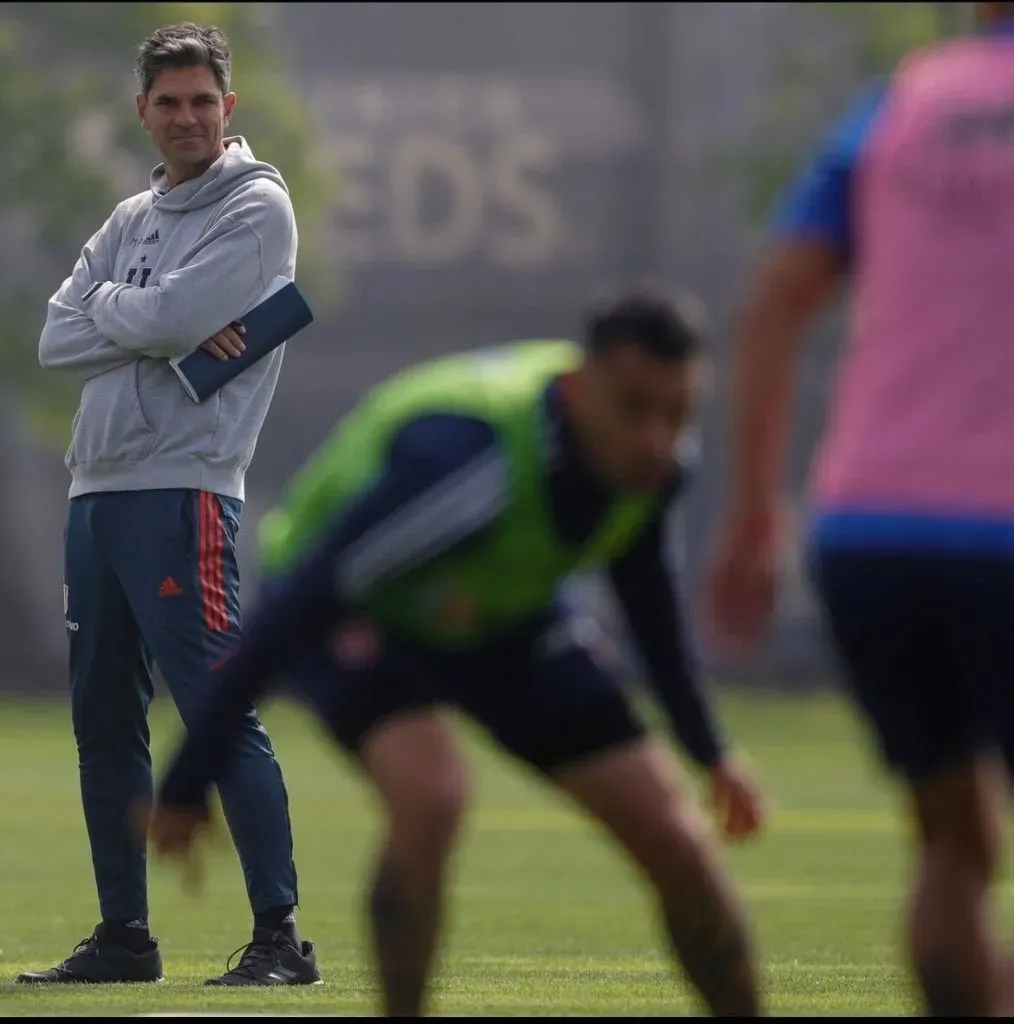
633 409
186 114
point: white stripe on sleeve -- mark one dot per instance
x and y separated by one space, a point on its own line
432 523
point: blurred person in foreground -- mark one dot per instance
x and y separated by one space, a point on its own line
417 562
912 199
157 493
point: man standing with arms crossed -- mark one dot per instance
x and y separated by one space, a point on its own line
156 498
913 546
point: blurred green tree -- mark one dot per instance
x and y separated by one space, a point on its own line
73 149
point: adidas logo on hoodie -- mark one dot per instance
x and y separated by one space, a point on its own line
152 239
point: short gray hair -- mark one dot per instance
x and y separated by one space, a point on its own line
184 46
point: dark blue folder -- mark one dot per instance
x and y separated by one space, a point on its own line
272 322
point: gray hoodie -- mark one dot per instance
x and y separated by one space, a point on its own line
168 269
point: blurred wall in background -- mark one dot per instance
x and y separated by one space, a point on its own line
466 174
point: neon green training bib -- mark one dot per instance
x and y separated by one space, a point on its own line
467 597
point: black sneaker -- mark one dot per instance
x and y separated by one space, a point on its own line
98 961
271 958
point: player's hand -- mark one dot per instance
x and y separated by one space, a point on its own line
227 343
739 594
736 799
175 834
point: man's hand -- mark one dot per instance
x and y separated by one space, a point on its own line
739 591
174 833
228 343
736 799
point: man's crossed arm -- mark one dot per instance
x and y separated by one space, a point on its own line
94 325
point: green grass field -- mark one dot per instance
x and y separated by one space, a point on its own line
547 919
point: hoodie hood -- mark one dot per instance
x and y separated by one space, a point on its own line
234 168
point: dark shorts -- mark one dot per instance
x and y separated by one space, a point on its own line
928 643
545 694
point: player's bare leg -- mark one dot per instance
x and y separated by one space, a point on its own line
632 792
950 928
1005 1007
413 762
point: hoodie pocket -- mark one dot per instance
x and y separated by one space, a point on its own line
110 425
180 426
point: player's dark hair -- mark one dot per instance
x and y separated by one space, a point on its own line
670 329
184 46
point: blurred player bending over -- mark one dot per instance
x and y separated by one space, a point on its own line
417 563
913 548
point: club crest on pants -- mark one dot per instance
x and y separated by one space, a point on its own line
72 627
